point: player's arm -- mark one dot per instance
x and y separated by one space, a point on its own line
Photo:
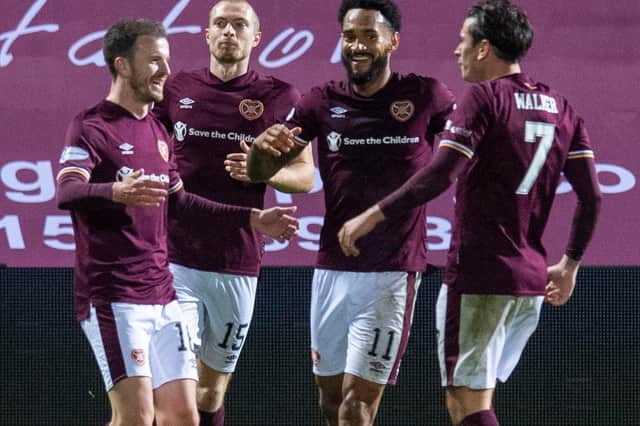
294 177
581 174
272 150
275 222
423 186
75 191
297 175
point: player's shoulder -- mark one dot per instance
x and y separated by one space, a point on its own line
185 78
420 82
275 85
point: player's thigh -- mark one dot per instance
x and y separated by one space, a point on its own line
471 336
228 305
119 335
381 315
329 321
171 355
519 328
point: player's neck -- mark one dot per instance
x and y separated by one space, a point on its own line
374 86
502 69
226 72
121 94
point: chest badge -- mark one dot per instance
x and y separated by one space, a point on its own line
251 109
402 110
163 148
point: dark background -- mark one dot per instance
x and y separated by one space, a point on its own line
580 367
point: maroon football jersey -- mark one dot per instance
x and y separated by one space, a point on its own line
121 251
209 118
518 134
368 147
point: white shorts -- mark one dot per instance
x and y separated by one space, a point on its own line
217 310
360 322
130 340
481 336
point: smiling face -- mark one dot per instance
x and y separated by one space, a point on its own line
233 32
367 42
148 68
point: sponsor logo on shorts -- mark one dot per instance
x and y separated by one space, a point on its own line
315 356
230 358
251 109
402 110
137 355
377 367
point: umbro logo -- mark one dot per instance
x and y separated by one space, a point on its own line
338 112
126 148
186 103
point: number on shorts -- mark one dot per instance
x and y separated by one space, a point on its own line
182 346
238 337
533 130
387 354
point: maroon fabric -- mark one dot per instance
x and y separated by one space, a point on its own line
500 213
481 418
121 251
406 326
452 333
212 419
368 147
208 118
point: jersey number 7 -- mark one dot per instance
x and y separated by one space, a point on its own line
532 131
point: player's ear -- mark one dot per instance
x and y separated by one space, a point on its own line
123 67
395 41
484 47
256 38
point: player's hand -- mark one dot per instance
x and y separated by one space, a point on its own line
277 139
137 191
276 222
561 280
236 163
358 227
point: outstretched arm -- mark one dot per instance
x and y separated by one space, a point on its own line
561 277
425 185
275 222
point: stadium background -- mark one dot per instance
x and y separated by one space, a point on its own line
581 367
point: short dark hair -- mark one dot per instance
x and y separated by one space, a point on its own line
121 37
505 25
387 8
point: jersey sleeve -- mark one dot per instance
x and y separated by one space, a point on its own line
303 115
444 103
580 144
468 122
79 155
288 99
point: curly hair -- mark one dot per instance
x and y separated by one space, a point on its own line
387 8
